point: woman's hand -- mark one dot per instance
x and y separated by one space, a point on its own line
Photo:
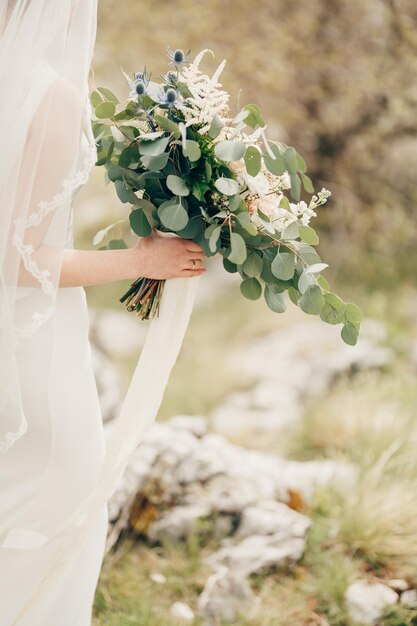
151 257
165 257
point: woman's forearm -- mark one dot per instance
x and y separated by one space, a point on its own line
95 267
152 257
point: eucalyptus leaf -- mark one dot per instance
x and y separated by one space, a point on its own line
238 249
227 186
155 163
229 150
215 127
251 288
139 223
307 183
214 237
192 150
277 165
105 110
173 216
295 187
353 314
350 334
153 147
275 300
253 264
308 235
253 160
108 95
290 159
316 268
166 124
283 265
312 300
177 185
229 267
254 117
330 315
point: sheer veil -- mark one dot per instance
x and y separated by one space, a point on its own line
46 153
45 56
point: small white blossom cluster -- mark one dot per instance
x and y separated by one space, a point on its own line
264 193
207 98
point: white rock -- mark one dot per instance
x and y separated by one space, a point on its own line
196 424
398 584
257 552
366 602
314 356
409 598
182 612
178 523
270 517
160 579
226 595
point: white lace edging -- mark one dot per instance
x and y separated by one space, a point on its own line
11 437
69 186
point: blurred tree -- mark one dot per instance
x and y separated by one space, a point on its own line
334 78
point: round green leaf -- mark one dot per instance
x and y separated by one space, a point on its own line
353 314
177 185
214 237
139 223
227 186
312 300
155 163
173 216
307 184
229 150
253 264
229 267
105 110
350 334
330 315
275 300
283 266
290 158
192 150
238 252
251 288
335 301
153 147
275 166
308 235
108 95
295 187
252 160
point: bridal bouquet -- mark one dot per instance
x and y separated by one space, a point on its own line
186 167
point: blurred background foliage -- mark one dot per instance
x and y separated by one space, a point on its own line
335 78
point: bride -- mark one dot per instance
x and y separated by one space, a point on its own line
55 471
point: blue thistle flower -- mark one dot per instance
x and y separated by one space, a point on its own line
178 57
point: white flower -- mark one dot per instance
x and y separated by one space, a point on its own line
207 98
258 184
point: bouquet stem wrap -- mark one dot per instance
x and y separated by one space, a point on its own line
144 396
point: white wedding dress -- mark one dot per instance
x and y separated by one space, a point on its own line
73 468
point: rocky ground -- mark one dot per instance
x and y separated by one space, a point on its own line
203 474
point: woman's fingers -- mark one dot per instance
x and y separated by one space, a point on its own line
191 246
193 272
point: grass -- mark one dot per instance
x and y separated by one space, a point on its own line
371 533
